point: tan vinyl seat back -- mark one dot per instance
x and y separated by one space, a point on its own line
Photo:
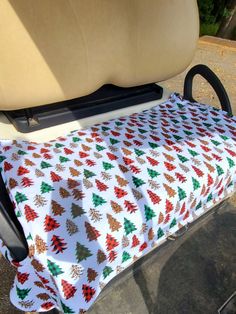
54 50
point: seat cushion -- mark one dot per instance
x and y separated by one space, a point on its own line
94 201
50 53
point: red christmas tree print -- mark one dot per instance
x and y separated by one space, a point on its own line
198 171
47 305
169 206
55 177
152 161
135 241
186 215
83 154
135 169
183 209
169 166
167 218
111 156
30 214
22 277
112 256
131 207
21 171
101 186
50 223
232 153
7 166
68 289
128 161
180 177
58 244
119 192
68 151
210 180
88 292
90 162
111 242
154 197
143 246
26 182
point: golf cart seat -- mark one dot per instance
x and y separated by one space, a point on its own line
83 199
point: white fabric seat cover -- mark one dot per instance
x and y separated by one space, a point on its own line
94 201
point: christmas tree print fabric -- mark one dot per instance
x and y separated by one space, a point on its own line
94 201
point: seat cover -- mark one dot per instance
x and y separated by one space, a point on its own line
94 201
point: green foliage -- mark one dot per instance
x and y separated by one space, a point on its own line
206 8
209 29
211 13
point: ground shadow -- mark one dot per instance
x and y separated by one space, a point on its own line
199 276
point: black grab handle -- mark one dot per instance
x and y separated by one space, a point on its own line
213 80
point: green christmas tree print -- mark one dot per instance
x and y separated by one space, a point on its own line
173 223
100 147
76 210
177 137
153 145
196 184
45 165
21 152
45 188
63 159
182 158
66 308
58 145
107 165
129 226
220 171
137 181
98 200
2 158
54 269
82 252
76 139
182 194
149 213
125 256
230 162
216 143
107 271
199 205
160 233
22 293
20 197
153 173
210 197
188 132
139 152
192 152
88 174
113 141
225 138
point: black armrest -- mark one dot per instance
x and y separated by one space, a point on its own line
213 80
11 231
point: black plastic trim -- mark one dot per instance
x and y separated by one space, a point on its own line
213 80
107 98
11 231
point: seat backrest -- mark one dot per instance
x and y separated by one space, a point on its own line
54 50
